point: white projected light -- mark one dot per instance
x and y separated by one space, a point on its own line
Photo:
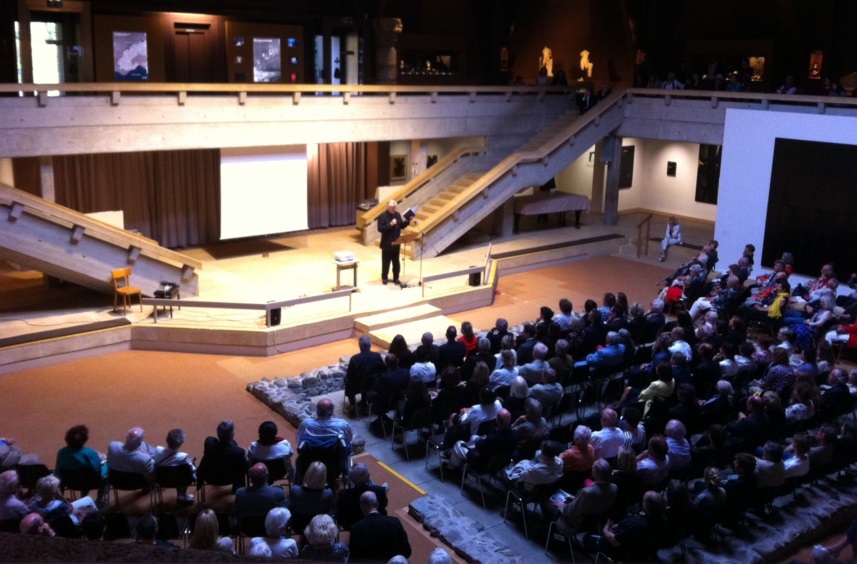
263 190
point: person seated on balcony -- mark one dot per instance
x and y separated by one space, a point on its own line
545 468
313 497
452 352
276 537
423 368
479 451
596 499
322 536
526 342
348 501
11 506
133 456
485 410
496 334
653 463
672 236
468 337
561 362
637 536
580 456
530 429
170 455
269 446
388 388
482 354
720 300
206 534
610 356
770 470
796 456
427 344
565 316
50 504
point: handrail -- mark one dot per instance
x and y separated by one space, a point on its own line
12 197
177 87
267 307
507 164
648 222
416 183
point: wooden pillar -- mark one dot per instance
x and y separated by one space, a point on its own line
612 157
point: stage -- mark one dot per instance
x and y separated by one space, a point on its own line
38 321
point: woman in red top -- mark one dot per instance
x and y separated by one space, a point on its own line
468 337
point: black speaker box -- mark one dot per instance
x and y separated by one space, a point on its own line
275 316
475 279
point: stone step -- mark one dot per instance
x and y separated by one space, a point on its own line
380 320
413 330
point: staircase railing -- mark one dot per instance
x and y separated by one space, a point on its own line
644 241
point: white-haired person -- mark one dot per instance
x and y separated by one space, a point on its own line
679 447
171 456
322 536
439 556
276 537
11 507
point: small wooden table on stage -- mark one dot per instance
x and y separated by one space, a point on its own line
340 266
542 203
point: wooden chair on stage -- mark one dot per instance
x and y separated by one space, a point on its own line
122 287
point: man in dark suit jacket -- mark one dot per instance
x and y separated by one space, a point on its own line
222 457
389 385
427 344
259 498
348 509
837 398
376 537
452 352
524 350
495 335
362 370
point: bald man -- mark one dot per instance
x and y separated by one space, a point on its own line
132 456
390 225
376 537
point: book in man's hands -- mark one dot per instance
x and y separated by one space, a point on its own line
559 498
411 213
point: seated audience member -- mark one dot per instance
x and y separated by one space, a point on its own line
740 486
711 449
77 456
478 380
206 534
312 497
417 399
146 532
11 507
482 354
389 386
595 334
450 396
322 537
610 356
258 498
633 428
719 408
561 362
376 537
362 369
452 352
548 391
506 372
770 470
526 343
479 452
565 316
399 347
326 431
545 468
687 408
221 456
432 350
712 498
519 393
529 429
269 446
348 501
469 338
34 524
50 504
662 386
260 550
802 403
678 445
836 399
637 536
12 455
751 427
581 455
594 500
625 478
532 371
719 301
796 456
610 438
821 453
170 455
495 335
423 368
132 456
485 410
276 536
653 463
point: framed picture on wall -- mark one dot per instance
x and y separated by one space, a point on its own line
130 56
398 168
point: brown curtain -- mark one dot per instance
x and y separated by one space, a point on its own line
337 180
170 196
27 175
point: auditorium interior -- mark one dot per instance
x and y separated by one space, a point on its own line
236 155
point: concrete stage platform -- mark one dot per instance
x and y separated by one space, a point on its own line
256 271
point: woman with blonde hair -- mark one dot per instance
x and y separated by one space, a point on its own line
311 498
206 534
322 536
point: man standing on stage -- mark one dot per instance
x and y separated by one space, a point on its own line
390 225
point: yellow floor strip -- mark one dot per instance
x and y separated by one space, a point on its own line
402 478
